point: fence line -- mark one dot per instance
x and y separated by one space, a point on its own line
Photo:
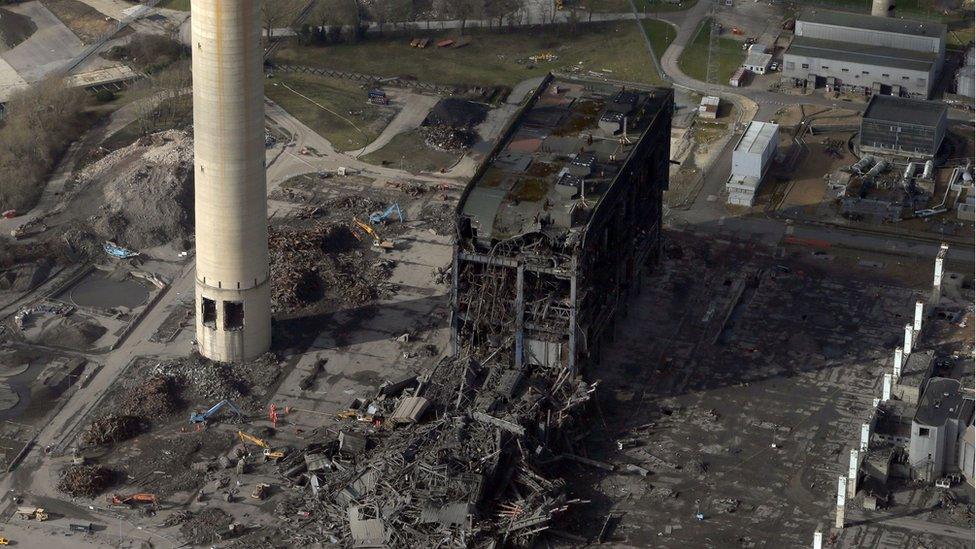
385 80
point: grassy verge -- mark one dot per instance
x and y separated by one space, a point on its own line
182 5
661 35
728 55
648 6
170 114
409 151
911 9
346 119
85 21
614 49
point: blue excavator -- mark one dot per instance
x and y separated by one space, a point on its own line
202 417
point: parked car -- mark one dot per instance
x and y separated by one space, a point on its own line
774 67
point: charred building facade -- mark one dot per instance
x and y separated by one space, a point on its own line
559 221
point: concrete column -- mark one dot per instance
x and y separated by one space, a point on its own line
909 338
886 388
939 271
919 311
233 291
865 436
881 8
852 473
818 540
899 359
841 501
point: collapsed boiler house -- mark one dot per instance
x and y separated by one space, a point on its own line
557 223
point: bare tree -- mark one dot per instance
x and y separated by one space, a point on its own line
276 14
589 5
500 9
40 123
463 10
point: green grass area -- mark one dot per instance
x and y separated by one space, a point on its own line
408 151
647 6
661 35
919 9
335 109
182 5
171 114
728 56
614 49
960 38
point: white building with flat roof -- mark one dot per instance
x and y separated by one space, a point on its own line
751 158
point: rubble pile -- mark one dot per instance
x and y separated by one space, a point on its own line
153 398
198 379
446 138
353 204
326 260
147 191
202 528
85 481
450 124
112 428
458 457
439 217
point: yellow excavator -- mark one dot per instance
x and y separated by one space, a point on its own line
273 455
378 241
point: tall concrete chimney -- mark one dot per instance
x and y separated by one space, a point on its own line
909 339
899 362
853 469
881 8
841 501
886 388
919 312
233 295
937 276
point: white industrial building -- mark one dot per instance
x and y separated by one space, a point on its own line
855 52
709 107
966 77
751 159
937 443
758 61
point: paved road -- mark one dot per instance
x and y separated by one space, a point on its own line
414 108
910 523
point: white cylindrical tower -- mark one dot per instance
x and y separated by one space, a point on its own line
881 8
233 295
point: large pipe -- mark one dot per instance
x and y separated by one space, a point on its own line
233 298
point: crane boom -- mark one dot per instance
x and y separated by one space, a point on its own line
197 417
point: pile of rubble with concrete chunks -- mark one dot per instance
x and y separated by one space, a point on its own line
462 455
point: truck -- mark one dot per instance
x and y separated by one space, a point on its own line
32 513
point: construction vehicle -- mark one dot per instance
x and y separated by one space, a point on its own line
32 513
4 541
380 217
260 491
134 498
202 417
377 97
269 454
378 241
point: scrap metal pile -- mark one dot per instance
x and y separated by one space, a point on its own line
325 260
85 481
458 457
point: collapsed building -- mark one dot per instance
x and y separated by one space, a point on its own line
552 235
558 222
